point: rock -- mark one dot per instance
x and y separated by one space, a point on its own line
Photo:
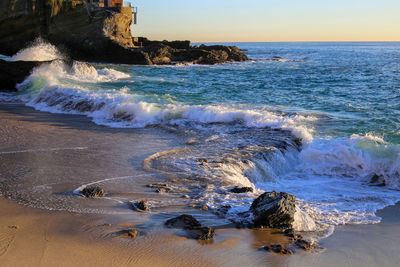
378 180
163 190
185 196
223 210
93 191
129 233
274 210
184 221
202 233
304 244
96 34
140 206
239 190
202 161
192 227
12 73
160 187
279 249
132 233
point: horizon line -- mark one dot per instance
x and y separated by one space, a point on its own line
296 41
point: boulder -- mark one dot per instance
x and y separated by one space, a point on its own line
184 221
93 191
193 228
274 210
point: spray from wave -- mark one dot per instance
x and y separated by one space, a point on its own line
39 50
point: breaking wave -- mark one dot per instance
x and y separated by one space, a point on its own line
39 50
337 180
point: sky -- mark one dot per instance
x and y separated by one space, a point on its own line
268 20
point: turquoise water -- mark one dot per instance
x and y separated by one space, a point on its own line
355 87
341 99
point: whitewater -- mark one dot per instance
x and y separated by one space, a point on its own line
320 122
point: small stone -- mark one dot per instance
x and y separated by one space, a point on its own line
140 206
107 224
204 207
202 161
13 227
185 196
93 191
132 233
163 190
239 190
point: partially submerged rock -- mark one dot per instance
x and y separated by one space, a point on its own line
193 228
239 190
93 191
278 249
184 221
274 210
140 206
378 180
129 233
160 187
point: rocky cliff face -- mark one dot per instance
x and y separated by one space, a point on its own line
95 34
86 32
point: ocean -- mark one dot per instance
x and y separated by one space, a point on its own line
317 120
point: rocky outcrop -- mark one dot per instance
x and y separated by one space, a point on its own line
192 226
12 73
96 34
274 210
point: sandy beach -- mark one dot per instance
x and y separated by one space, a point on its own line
44 237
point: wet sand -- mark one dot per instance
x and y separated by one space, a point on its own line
49 155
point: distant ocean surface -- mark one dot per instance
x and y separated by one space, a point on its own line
341 100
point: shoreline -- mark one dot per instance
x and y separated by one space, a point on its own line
51 237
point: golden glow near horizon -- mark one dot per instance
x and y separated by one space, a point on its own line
269 20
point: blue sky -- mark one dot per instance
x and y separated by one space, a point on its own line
269 20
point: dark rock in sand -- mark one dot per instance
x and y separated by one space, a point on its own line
201 233
12 73
239 190
140 206
192 226
93 191
184 221
274 210
278 249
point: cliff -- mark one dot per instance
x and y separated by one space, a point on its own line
96 34
84 31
